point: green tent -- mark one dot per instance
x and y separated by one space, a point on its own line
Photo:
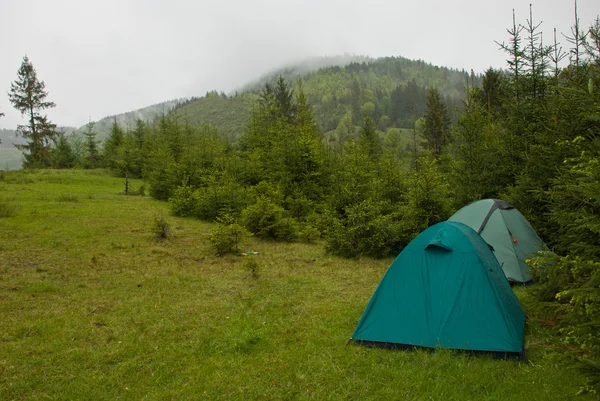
507 231
445 290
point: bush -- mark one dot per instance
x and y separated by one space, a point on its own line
184 201
220 199
251 265
574 283
161 228
299 206
309 232
365 230
226 237
7 208
284 229
265 219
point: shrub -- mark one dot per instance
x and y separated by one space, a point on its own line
309 232
265 219
160 228
251 265
365 230
7 208
184 201
284 229
574 283
220 199
299 206
226 237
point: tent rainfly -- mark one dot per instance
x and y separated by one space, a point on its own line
445 290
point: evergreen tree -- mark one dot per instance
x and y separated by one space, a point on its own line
536 57
78 145
284 99
493 91
112 144
578 40
436 124
429 198
28 95
474 161
355 102
515 57
592 45
141 148
62 154
368 140
125 160
92 159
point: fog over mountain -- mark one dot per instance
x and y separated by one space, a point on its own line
100 58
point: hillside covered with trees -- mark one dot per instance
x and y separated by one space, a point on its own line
391 91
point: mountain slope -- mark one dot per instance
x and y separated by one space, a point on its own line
390 90
228 114
128 119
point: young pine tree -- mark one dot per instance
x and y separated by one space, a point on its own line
62 154
92 153
368 140
112 144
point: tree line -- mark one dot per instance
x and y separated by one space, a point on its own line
529 135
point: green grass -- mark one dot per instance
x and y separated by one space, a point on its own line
94 306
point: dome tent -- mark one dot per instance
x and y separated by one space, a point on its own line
444 290
507 231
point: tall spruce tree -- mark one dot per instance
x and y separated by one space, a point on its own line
515 58
493 91
28 95
436 124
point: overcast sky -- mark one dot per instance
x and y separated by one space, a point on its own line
103 57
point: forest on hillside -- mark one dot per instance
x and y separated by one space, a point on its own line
390 90
362 158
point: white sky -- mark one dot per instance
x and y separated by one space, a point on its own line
103 57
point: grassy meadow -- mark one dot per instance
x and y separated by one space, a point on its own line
94 306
